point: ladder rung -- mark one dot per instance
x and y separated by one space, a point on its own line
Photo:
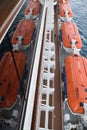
46 107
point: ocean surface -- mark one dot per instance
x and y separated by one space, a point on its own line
79 8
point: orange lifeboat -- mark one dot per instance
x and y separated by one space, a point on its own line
23 34
62 1
76 82
70 37
65 12
9 83
32 10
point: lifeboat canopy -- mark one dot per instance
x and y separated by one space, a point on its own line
9 82
76 82
23 34
70 37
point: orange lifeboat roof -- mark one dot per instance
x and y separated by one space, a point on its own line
76 82
69 32
25 29
9 83
35 6
61 1
63 8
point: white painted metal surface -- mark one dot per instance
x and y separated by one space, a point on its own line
46 91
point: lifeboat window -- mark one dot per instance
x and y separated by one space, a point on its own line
19 38
2 98
85 89
77 93
76 42
81 104
70 42
0 83
8 88
86 98
16 38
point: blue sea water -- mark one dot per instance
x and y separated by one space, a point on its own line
79 8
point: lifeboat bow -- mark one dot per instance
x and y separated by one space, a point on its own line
65 12
32 10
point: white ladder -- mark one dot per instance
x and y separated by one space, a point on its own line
46 92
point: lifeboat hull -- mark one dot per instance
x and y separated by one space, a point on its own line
65 12
76 82
69 32
9 83
25 29
32 10
62 1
